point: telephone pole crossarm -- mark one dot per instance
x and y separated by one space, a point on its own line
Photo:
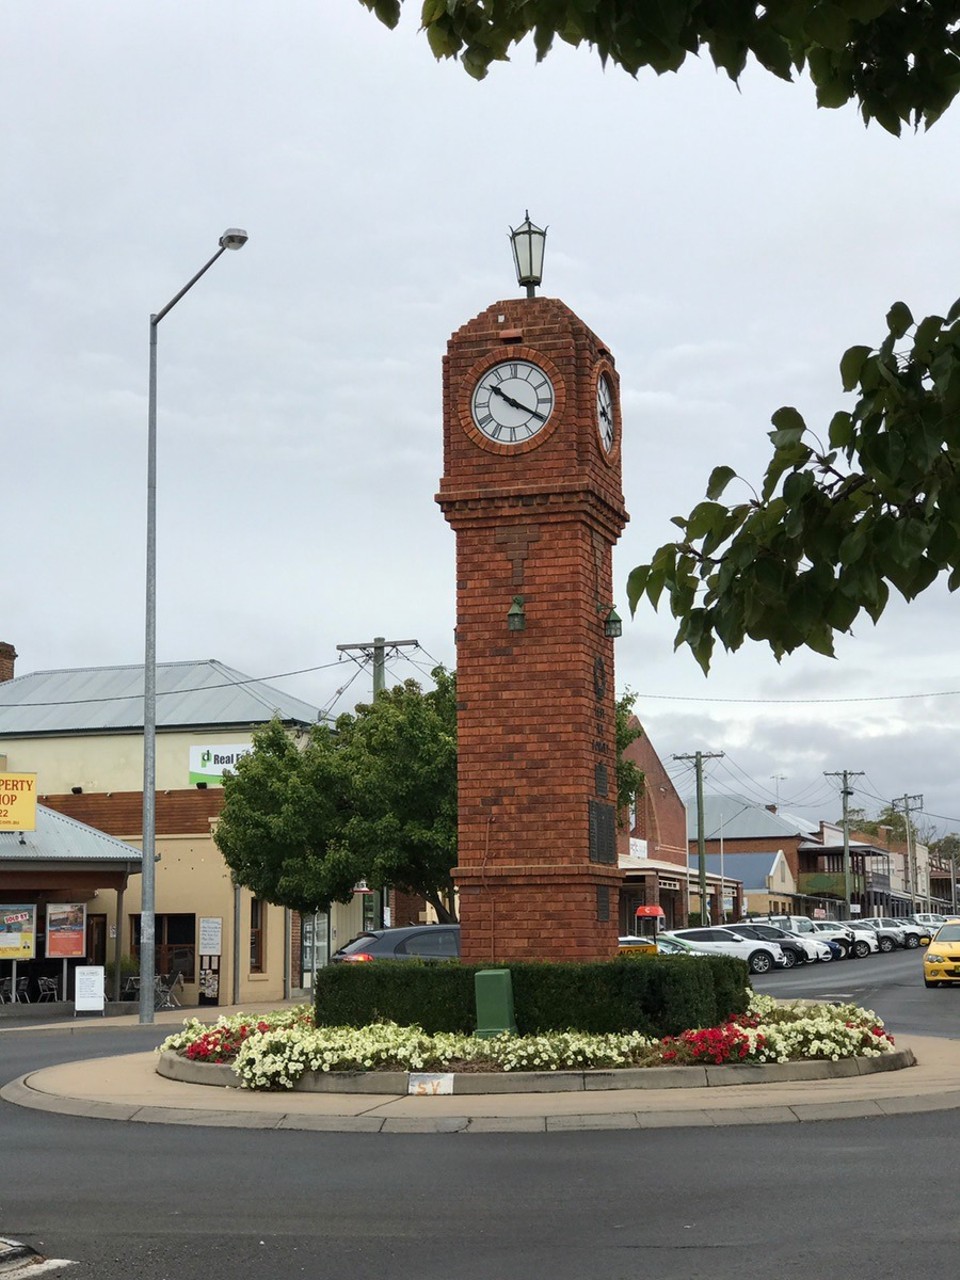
377 649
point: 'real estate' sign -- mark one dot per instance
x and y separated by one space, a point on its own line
18 802
18 932
209 764
66 930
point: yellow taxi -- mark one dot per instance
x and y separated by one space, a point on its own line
941 964
633 945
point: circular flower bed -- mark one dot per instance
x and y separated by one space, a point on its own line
275 1050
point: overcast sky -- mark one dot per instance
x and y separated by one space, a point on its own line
727 244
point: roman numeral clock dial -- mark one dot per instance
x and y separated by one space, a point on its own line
512 402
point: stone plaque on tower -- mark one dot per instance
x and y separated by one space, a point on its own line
532 489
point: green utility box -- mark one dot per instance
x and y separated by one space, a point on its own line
494 992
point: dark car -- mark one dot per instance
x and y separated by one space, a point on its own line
794 952
416 942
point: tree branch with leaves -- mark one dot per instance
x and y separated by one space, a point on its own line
835 525
899 61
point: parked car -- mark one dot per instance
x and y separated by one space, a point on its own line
858 942
630 944
760 956
932 920
941 963
889 939
415 942
913 933
796 950
668 945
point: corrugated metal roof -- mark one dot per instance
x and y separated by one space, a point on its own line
751 869
737 818
62 839
190 695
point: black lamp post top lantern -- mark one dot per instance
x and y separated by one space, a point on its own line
527 242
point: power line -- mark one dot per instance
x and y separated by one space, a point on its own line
802 702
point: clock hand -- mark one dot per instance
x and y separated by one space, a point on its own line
515 404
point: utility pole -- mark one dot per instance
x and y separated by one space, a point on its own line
377 650
846 791
908 803
698 758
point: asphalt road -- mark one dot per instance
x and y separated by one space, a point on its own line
161 1202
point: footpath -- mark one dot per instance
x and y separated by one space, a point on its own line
128 1088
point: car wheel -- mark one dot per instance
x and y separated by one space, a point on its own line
928 983
861 948
790 959
912 941
887 944
760 962
827 958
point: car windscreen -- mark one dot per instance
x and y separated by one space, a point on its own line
948 933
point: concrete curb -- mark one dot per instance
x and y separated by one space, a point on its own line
220 1075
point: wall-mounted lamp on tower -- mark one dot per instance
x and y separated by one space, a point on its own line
612 623
516 618
527 242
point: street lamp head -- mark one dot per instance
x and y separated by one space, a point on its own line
233 238
527 242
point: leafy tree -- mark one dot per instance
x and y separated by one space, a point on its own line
629 775
282 826
402 756
374 798
891 823
899 59
835 525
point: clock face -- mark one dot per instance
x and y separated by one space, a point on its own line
605 422
512 401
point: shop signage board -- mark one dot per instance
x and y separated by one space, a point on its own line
18 932
66 930
89 989
210 763
18 802
211 935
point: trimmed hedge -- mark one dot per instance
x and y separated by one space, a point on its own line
656 995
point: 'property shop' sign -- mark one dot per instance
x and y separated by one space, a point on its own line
18 802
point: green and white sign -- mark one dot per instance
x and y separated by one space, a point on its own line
209 764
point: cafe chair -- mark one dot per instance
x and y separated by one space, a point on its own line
49 989
22 993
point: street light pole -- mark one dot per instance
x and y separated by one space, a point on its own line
232 238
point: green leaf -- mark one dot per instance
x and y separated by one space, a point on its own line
790 426
851 365
720 477
829 25
899 319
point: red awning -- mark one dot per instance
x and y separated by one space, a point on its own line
649 911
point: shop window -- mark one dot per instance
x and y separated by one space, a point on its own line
258 914
175 943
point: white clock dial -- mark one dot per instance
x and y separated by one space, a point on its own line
605 421
512 401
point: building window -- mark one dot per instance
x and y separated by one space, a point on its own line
258 919
175 938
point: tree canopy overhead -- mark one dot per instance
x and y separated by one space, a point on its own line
898 59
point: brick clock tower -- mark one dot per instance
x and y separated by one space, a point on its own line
532 489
